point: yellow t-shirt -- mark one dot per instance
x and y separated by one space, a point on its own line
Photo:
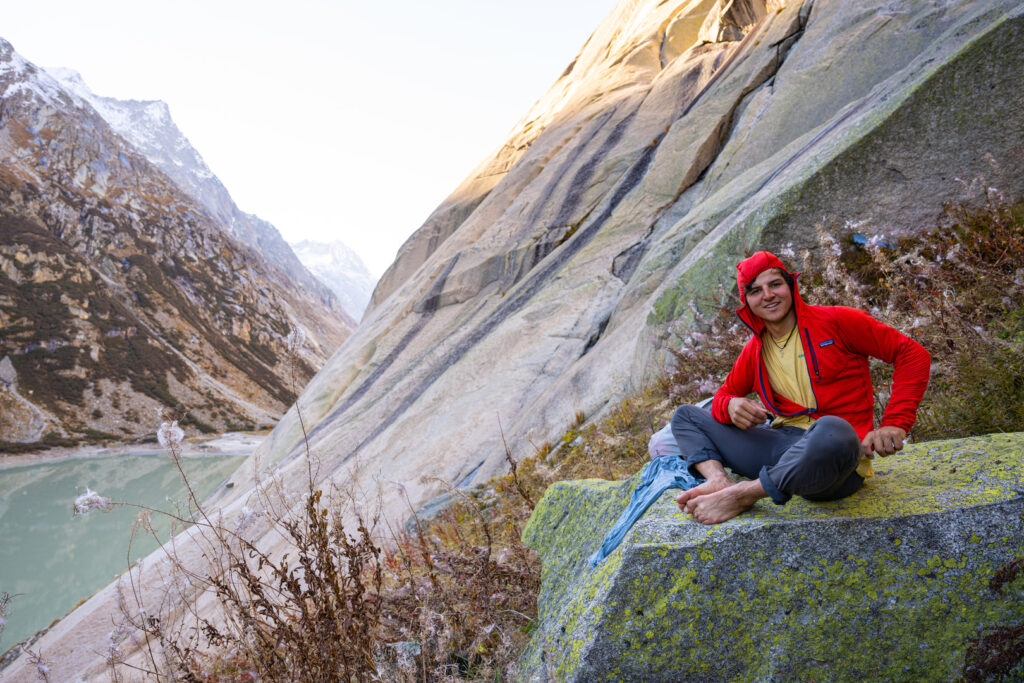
788 375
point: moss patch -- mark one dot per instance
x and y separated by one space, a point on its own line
890 584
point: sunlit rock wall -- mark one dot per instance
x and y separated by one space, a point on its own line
545 285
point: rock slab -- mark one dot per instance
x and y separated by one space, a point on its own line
890 584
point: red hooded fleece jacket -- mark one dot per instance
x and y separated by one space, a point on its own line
837 341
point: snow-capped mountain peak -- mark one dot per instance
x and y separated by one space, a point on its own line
22 75
341 269
148 126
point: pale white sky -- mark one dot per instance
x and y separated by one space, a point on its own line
332 119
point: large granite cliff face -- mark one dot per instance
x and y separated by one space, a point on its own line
120 293
672 146
685 134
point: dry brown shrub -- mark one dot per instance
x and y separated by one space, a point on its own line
449 599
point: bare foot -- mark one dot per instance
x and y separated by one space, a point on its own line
721 505
710 486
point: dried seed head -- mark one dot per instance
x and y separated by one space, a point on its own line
296 340
90 500
170 434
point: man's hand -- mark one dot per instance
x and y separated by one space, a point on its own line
745 413
884 441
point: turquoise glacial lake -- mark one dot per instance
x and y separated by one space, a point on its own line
50 561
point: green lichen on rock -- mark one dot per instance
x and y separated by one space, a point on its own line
889 584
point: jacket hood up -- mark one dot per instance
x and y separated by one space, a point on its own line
747 271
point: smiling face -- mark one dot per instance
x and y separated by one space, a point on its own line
771 300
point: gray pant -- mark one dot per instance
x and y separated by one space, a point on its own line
819 463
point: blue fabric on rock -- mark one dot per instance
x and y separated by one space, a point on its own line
657 476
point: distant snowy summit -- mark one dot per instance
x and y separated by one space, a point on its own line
341 269
148 126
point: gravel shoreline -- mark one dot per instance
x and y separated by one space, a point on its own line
230 443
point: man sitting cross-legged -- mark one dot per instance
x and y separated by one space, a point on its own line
809 367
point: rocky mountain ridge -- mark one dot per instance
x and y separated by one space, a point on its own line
120 294
148 126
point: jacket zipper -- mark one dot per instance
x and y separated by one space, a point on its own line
814 360
810 350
